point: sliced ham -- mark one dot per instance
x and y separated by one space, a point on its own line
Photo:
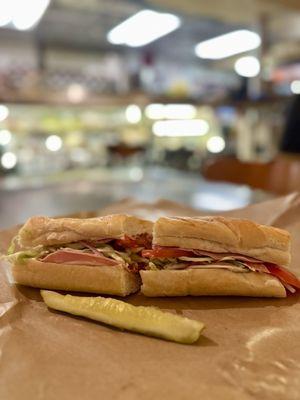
70 256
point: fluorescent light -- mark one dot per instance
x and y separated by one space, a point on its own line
6 7
155 111
26 14
180 111
8 160
133 114
22 15
170 111
227 45
247 66
5 137
4 112
178 128
53 143
143 28
295 87
215 144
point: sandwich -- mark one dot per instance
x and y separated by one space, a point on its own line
217 256
98 255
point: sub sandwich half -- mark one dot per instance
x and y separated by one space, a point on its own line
217 256
97 255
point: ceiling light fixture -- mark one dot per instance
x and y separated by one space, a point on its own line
180 128
228 45
8 160
5 137
143 28
215 144
247 66
133 114
170 111
295 87
22 15
6 12
4 112
53 143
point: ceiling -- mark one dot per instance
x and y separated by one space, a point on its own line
83 25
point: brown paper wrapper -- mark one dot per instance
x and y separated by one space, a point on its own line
249 350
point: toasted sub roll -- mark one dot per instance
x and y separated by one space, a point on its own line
224 235
95 255
217 256
210 283
80 278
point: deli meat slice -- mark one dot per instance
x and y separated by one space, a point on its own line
70 256
214 256
226 256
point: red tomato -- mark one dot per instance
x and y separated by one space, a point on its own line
284 275
166 252
128 242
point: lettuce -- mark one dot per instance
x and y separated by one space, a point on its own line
152 267
23 256
12 246
109 251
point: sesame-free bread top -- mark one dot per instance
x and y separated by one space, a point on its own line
50 231
224 235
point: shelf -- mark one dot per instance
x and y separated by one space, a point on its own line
139 98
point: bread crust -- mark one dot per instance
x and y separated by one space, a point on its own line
210 283
224 235
50 231
80 278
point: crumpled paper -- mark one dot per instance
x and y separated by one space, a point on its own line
249 350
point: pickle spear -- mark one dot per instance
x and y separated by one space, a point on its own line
147 320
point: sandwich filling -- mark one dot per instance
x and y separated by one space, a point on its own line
125 252
175 258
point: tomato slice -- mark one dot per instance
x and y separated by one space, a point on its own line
284 275
128 242
166 252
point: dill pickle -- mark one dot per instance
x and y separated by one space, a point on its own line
146 320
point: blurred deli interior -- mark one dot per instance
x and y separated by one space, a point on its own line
192 101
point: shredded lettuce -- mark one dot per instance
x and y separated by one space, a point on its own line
74 246
151 266
12 246
23 256
183 263
109 251
135 257
127 257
